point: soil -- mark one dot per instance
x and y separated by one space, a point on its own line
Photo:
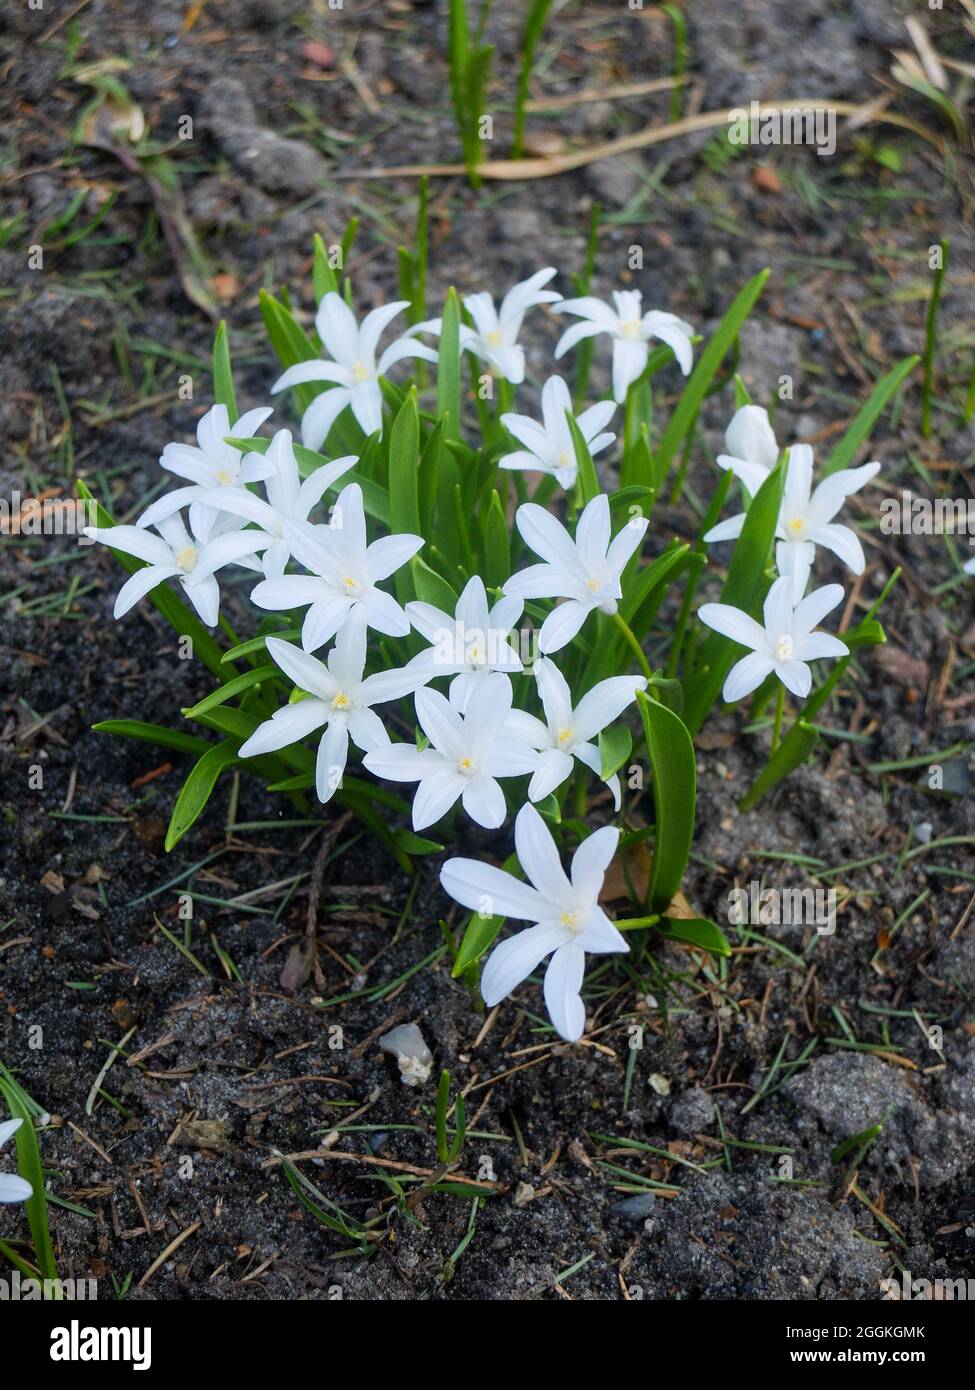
224 1067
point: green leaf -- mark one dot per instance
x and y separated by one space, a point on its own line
152 733
695 931
430 587
744 588
223 376
404 505
497 554
256 644
416 844
172 608
615 745
478 938
791 753
323 277
375 499
196 790
587 484
685 413
448 366
31 1169
868 414
674 774
232 688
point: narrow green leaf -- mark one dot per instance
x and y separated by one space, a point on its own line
430 587
478 937
685 413
791 753
196 790
404 505
497 554
868 415
695 931
615 746
674 773
232 688
323 277
31 1169
587 483
223 376
152 733
448 366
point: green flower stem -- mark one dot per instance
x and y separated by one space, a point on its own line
635 923
630 636
779 708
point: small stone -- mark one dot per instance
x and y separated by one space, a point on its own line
692 1111
414 1058
923 832
524 1193
660 1083
636 1208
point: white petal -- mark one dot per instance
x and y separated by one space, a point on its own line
391 553
591 860
777 609
514 960
375 323
539 858
205 598
842 542
562 624
318 419
333 754
435 795
290 591
814 607
819 644
307 672
322 621
732 622
484 801
314 370
491 891
674 332
402 762
545 535
728 530
604 703
833 491
14 1189
798 481
745 676
563 981
553 768
133 540
629 360
442 724
336 325
750 437
8 1128
139 584
795 676
287 725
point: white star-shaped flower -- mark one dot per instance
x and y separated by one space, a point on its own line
354 368
338 699
784 645
345 570
567 732
468 645
467 754
631 331
585 571
568 920
494 337
288 498
210 466
549 447
176 554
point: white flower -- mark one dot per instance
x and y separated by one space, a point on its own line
212 465
288 498
467 753
752 449
631 331
566 732
784 644
549 447
176 554
969 566
345 570
806 516
566 915
12 1188
494 337
585 571
354 368
338 698
471 643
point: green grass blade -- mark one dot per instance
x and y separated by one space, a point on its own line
674 772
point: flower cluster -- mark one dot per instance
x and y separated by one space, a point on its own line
250 507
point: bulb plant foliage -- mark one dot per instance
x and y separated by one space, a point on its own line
453 616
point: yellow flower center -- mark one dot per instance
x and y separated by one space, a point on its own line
783 648
570 920
341 701
466 765
565 461
796 525
360 371
593 584
630 329
494 338
223 477
351 585
186 559
565 735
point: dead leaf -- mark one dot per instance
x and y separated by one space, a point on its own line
629 870
53 882
901 666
